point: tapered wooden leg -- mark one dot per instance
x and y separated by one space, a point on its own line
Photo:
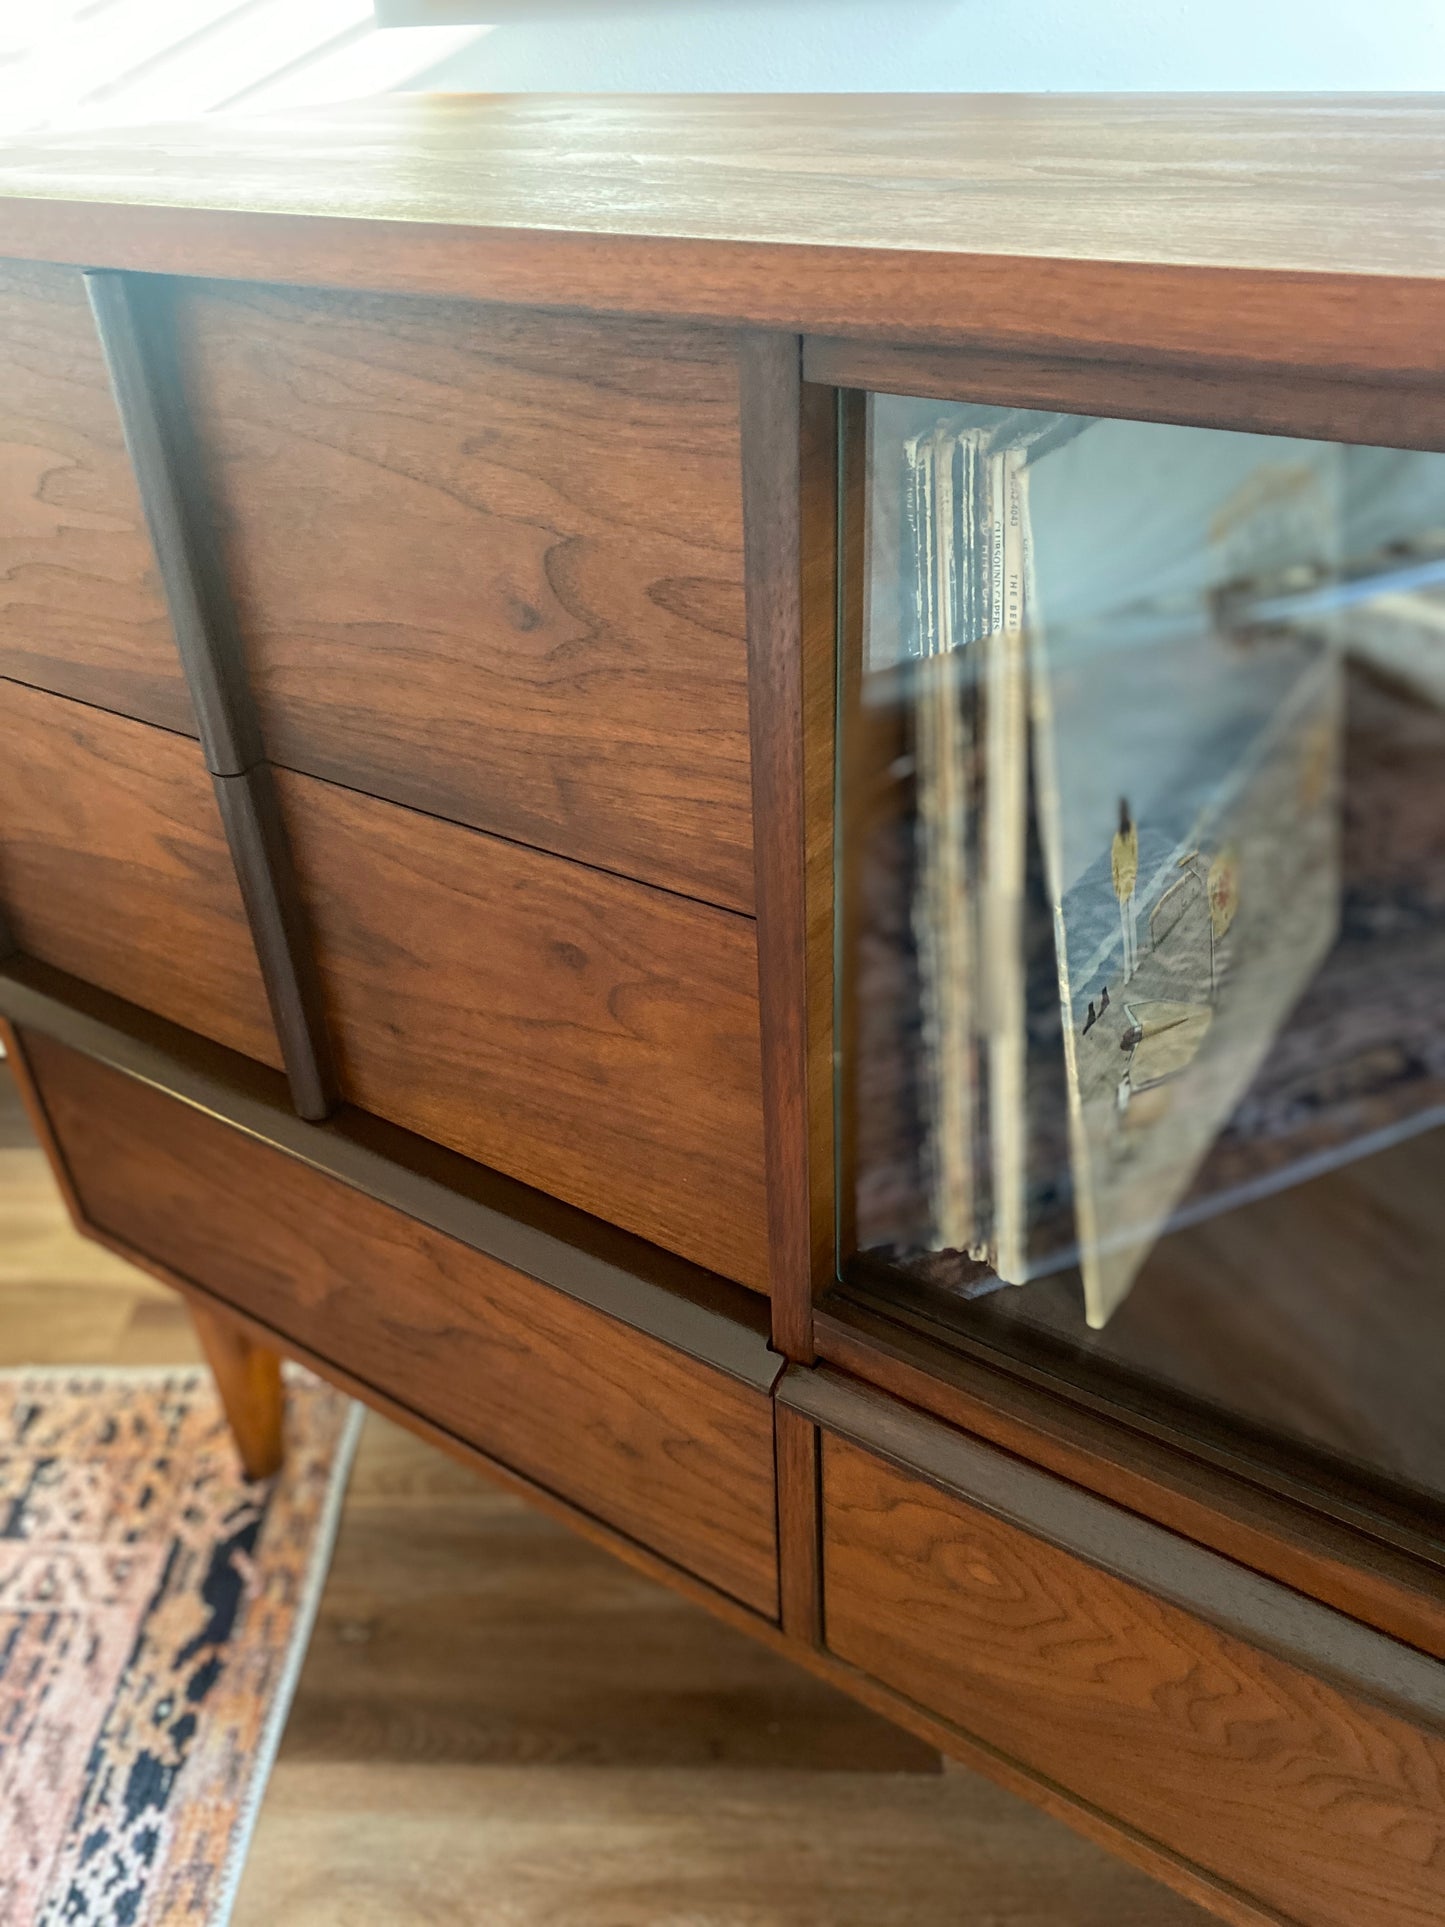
248 1379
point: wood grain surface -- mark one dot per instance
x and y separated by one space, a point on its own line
95 1301
1325 1809
772 487
594 1037
795 1441
1270 1532
489 564
472 1658
94 1305
1279 402
1227 180
1282 230
710 1318
557 1844
820 531
675 1455
113 867
81 609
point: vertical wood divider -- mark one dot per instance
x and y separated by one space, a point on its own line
133 323
820 564
800 1526
849 814
789 536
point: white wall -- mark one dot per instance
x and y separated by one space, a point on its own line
961 45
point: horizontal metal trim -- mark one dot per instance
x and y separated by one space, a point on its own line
1231 1597
706 1317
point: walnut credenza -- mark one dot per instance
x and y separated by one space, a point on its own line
423 564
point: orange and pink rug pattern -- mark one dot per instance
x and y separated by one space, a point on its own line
154 1610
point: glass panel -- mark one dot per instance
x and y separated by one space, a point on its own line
1142 917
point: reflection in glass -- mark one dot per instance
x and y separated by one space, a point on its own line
1143 907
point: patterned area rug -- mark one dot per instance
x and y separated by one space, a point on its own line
154 1610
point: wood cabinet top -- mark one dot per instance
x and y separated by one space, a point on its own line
1214 227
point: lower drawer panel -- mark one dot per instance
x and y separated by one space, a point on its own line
661 1447
1326 1808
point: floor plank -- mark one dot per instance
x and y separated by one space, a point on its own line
349 1846
498 1726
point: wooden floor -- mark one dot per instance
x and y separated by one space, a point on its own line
498 1726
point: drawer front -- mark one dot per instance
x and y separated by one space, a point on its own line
81 610
672 1453
114 867
488 563
1322 1806
592 1036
